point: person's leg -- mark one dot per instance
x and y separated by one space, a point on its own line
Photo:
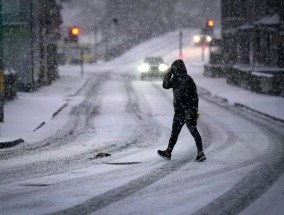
198 140
177 125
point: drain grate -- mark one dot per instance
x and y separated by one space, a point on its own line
122 163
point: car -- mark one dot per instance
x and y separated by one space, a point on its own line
202 39
152 67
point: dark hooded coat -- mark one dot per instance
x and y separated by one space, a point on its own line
184 89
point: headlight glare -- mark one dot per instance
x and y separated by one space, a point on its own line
144 67
196 39
209 39
163 67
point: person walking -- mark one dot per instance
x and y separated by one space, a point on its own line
185 106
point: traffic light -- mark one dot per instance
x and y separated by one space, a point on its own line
210 23
74 34
209 26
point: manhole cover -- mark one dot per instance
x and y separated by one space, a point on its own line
122 163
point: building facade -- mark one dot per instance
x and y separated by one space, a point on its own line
252 31
30 39
253 44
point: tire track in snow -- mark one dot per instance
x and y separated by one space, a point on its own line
147 123
80 116
121 192
98 202
140 183
239 201
248 189
79 122
271 167
85 112
132 187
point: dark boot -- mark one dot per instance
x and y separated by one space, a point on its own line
200 157
165 154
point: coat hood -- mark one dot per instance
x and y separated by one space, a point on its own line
178 67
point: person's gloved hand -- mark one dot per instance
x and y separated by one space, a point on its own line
169 70
197 115
174 70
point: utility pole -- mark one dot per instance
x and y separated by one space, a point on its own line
81 59
106 44
180 45
1 65
32 43
203 46
95 43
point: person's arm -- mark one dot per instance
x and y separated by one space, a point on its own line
167 82
193 96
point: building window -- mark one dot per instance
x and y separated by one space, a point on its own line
274 41
11 6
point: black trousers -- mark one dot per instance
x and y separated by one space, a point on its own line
178 122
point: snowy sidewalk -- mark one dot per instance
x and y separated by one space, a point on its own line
270 106
33 116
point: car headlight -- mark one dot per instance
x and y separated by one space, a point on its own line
144 67
196 39
209 39
163 67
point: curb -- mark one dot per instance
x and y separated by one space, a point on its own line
53 116
80 89
39 126
60 109
239 105
259 112
12 143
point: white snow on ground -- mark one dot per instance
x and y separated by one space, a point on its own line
270 203
185 192
24 114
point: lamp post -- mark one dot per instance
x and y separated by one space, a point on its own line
180 45
32 43
95 44
1 66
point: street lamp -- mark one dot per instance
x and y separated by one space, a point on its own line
1 67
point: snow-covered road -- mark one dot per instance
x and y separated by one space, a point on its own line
117 113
